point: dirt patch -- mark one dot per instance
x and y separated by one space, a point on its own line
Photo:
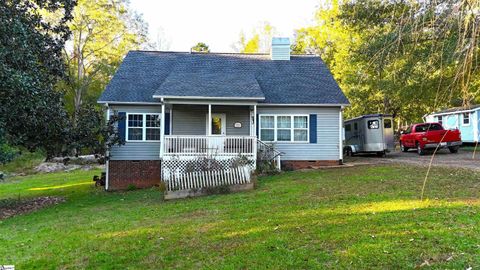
13 207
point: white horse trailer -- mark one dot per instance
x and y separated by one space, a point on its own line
371 133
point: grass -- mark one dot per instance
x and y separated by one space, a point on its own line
356 218
24 163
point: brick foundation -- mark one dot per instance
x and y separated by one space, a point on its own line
289 165
140 173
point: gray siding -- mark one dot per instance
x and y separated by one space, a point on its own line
192 119
136 150
327 146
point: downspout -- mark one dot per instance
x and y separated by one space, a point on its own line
162 129
107 154
340 135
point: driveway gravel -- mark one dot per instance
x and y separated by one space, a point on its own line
463 159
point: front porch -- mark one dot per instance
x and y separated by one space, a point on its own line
209 146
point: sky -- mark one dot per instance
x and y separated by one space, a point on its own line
180 24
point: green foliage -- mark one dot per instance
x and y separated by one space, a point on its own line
402 58
7 152
91 133
201 47
259 42
32 112
131 187
103 32
23 162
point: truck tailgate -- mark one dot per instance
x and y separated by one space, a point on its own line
437 135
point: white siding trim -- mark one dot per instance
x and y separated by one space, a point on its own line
162 130
107 155
144 127
340 132
475 127
212 98
292 128
127 103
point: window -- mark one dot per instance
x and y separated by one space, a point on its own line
373 124
300 128
284 128
435 127
355 126
143 127
135 127
466 119
387 123
152 127
440 119
421 128
348 127
267 128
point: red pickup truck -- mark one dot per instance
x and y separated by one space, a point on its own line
429 136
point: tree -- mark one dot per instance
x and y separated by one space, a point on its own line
103 31
31 63
92 134
201 47
260 41
403 58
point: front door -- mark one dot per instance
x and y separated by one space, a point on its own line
218 121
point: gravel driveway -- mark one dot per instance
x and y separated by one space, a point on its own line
462 159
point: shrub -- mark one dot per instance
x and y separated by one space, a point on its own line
7 153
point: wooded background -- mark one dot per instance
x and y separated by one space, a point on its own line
405 58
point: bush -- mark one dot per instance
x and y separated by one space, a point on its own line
131 187
24 161
7 153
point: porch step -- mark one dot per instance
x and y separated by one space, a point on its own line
180 194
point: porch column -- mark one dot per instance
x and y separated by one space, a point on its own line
162 130
254 131
209 120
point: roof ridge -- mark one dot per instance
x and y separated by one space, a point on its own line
216 53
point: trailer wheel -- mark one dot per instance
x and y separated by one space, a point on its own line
348 152
453 149
381 154
403 148
420 151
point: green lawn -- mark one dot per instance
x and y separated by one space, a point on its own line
362 217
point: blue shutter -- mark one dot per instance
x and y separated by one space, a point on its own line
313 128
167 123
257 121
122 123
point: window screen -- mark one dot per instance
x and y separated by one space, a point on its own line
373 124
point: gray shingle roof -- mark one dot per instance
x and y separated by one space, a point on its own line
456 109
302 80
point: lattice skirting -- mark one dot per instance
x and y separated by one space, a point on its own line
180 174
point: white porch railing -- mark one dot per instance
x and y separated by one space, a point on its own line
197 146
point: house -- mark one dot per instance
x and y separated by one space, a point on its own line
182 107
464 119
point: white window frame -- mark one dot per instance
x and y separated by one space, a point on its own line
440 119
463 119
292 128
143 127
